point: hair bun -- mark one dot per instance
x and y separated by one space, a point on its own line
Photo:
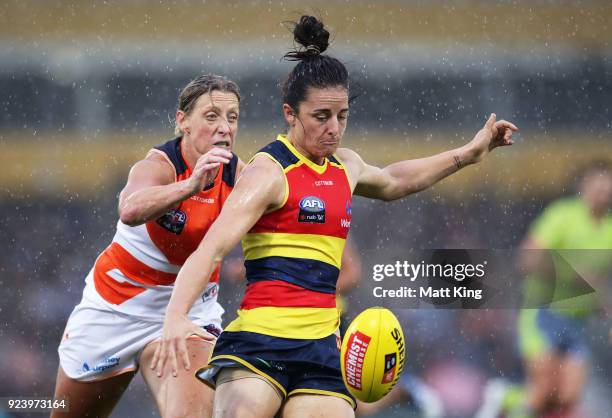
310 33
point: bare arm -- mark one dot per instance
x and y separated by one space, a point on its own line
260 187
151 190
350 272
410 176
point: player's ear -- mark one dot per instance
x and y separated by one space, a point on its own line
289 114
181 121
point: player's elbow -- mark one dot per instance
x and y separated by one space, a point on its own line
396 192
397 188
129 215
215 250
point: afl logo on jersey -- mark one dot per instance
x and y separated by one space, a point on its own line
174 221
312 210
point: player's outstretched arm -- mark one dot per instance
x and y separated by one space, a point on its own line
410 176
260 187
151 190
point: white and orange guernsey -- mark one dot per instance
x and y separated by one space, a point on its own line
135 273
287 324
130 285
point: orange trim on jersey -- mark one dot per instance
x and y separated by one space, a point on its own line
110 289
283 294
115 257
135 269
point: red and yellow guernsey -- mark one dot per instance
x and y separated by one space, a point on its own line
293 254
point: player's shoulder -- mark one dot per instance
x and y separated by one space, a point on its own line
263 165
348 155
156 164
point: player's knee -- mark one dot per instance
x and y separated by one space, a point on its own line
568 399
195 406
235 410
241 405
184 412
542 395
179 414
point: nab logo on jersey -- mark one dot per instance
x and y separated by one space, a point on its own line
312 210
174 221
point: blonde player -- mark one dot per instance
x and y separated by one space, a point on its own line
170 200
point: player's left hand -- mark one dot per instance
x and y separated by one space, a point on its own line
173 343
492 135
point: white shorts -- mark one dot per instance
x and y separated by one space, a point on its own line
99 342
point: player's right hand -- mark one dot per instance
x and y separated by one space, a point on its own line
173 343
206 168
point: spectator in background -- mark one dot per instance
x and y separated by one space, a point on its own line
551 338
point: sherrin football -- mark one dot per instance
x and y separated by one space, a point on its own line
372 354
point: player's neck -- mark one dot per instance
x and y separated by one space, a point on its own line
190 154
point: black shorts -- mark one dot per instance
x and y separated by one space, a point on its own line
293 366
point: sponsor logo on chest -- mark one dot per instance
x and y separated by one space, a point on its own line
312 210
174 221
208 200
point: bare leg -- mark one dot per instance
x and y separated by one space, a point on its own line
246 397
311 406
183 395
542 381
90 399
573 374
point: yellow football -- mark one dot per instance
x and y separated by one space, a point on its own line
372 354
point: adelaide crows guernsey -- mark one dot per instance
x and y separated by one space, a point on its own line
293 254
136 272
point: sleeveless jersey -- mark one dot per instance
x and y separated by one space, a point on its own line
136 272
293 254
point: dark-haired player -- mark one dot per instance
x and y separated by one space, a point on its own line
170 200
292 207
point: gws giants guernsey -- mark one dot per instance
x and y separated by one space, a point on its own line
293 254
136 272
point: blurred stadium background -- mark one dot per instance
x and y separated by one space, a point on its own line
87 87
